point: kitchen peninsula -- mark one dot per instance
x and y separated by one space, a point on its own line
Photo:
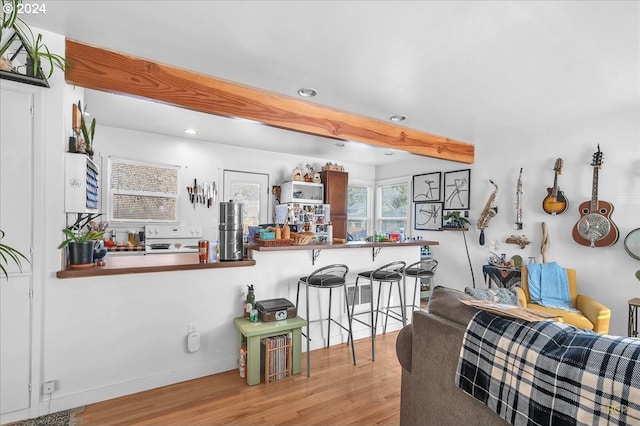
120 265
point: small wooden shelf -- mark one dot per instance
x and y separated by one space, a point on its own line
119 265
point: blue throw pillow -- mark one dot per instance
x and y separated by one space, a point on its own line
508 296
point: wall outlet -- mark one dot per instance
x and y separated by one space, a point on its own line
49 387
193 326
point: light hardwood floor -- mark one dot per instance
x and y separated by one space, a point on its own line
337 393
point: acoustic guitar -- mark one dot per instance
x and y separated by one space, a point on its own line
595 228
555 202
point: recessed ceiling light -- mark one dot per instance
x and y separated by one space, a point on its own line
338 145
398 117
191 131
388 153
307 92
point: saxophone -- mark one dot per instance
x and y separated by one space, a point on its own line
489 211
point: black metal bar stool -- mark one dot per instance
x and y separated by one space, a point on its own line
425 268
389 273
327 277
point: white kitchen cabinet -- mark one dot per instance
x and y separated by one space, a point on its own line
302 192
16 220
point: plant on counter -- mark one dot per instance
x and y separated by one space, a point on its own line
80 237
6 253
81 242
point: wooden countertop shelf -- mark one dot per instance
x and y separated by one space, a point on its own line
316 248
349 245
118 265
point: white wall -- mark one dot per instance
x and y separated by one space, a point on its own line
607 273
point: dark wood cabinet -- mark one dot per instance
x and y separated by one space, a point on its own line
335 193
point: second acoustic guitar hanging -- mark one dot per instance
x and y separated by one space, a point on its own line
595 227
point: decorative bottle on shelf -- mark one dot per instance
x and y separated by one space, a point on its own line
250 302
403 237
330 233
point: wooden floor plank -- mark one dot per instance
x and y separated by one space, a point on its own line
337 393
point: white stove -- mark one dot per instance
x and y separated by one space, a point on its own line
161 239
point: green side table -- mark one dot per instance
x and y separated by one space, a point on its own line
254 331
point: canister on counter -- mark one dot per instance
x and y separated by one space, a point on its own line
203 251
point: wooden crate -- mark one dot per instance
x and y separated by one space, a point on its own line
276 358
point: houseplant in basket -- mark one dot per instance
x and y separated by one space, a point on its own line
81 245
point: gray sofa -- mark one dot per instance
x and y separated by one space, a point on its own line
428 350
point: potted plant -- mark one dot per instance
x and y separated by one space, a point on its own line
81 245
12 27
9 253
9 16
87 133
39 53
455 220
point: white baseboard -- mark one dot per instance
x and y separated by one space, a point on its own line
91 396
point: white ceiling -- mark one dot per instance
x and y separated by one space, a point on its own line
454 68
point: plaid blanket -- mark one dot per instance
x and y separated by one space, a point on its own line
550 373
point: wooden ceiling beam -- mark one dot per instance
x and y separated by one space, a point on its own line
105 70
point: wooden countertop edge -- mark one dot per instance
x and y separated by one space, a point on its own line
99 271
327 246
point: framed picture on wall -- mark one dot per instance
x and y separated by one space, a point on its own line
426 187
427 216
457 189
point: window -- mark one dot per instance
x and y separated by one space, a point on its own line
251 190
393 206
358 212
140 191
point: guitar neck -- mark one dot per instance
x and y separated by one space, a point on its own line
554 191
594 191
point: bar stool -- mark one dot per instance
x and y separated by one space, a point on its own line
389 273
425 268
327 277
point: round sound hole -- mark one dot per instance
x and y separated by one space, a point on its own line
603 211
584 211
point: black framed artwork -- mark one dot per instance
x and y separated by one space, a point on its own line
427 216
457 189
426 187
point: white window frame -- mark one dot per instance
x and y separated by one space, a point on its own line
111 192
370 202
407 180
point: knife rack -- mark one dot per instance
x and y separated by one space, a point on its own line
204 193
